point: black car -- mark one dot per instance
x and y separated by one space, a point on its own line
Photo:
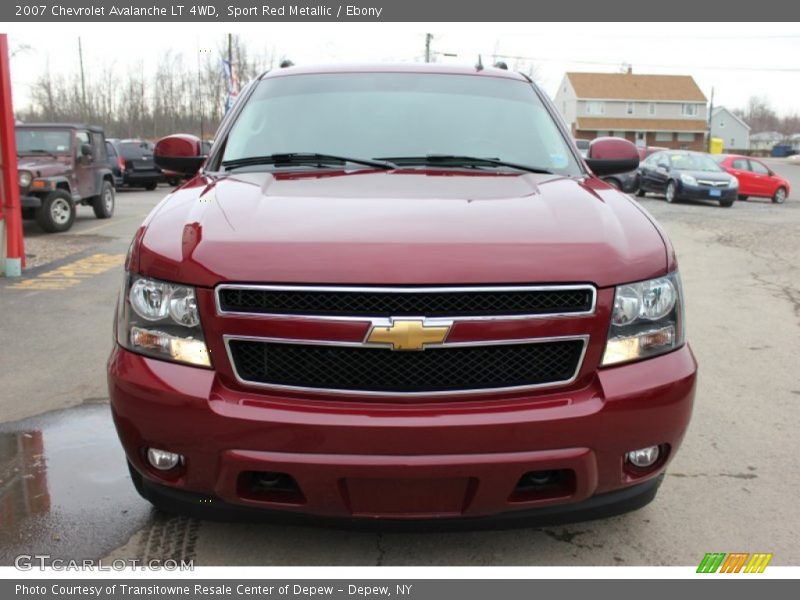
133 164
684 175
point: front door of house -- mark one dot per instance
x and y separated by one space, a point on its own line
641 139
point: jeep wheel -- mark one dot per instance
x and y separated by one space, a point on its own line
173 181
57 212
103 204
640 191
151 186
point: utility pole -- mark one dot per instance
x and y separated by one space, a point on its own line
710 110
83 78
428 38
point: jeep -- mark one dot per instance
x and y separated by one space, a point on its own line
62 166
399 293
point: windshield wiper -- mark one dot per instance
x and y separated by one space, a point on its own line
462 161
304 158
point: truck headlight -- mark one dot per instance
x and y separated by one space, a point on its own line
25 179
688 179
161 319
647 320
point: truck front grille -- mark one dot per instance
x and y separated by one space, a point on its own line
379 370
397 302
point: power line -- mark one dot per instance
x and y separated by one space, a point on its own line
650 66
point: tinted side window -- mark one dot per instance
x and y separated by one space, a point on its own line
98 147
740 163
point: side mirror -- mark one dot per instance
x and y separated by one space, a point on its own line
608 155
86 150
181 153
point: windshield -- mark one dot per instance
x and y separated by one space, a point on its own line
33 141
374 115
693 162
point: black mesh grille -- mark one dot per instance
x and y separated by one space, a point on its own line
384 370
380 303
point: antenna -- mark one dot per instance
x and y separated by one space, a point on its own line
479 66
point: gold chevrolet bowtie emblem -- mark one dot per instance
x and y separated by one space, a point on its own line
408 334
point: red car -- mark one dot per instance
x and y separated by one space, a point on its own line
399 293
755 178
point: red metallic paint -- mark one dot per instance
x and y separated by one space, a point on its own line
419 227
400 456
223 431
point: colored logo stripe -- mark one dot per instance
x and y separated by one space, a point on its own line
735 562
758 562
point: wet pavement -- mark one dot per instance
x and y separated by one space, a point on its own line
64 486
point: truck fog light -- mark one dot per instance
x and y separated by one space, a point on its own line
644 457
163 460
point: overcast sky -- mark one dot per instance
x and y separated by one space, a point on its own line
738 60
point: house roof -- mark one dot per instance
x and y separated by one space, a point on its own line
720 109
622 124
630 86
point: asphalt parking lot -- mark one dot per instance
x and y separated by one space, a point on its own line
64 489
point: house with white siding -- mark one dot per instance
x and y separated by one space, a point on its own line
649 110
734 133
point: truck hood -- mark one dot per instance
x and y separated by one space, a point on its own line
408 226
44 165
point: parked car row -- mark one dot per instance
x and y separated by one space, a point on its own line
65 165
686 175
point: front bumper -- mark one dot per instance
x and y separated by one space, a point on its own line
415 461
691 192
29 201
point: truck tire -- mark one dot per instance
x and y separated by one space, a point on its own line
103 204
57 212
151 186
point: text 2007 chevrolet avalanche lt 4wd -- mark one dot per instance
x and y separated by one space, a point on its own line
399 293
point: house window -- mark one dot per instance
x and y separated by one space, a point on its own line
663 136
595 108
603 133
722 124
619 134
651 108
630 107
689 110
685 137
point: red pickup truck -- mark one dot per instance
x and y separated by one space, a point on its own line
399 292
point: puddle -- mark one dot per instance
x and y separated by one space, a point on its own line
64 486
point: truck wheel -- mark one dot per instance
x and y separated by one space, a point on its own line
639 191
103 204
669 193
57 212
743 198
151 186
780 196
173 181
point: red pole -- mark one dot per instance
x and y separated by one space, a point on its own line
12 212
